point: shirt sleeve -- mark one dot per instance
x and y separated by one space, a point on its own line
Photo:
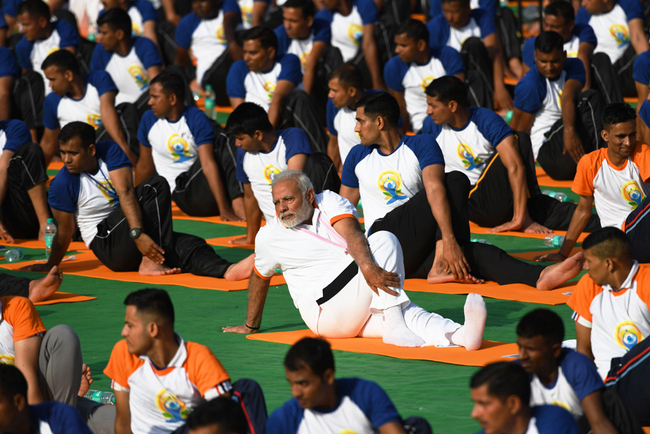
555 419
430 127
8 64
50 108
530 92
582 16
68 34
641 157
394 72
10 7
583 182
147 11
283 40
374 402
528 53
115 157
368 11
265 261
64 192
185 29
99 59
235 80
21 314
241 173
644 112
426 149
438 31
586 34
62 418
290 69
23 52
322 31
485 21
200 126
451 61
581 373
575 70
296 142
121 365
331 114
286 419
581 298
148 119
17 133
633 9
492 126
205 370
641 70
102 81
147 52
230 6
336 207
349 177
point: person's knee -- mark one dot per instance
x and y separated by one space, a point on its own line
61 338
458 182
473 45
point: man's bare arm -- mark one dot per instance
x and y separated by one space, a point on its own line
6 86
258 289
502 98
334 153
369 47
593 407
351 194
637 36
49 143
26 359
182 56
144 168
282 90
585 53
399 96
149 31
152 72
211 172
524 121
234 102
572 143
583 338
230 22
316 53
112 123
5 159
123 412
60 243
253 217
391 428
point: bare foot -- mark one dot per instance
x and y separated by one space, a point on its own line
150 268
86 380
444 277
238 207
243 241
557 274
241 270
535 228
41 289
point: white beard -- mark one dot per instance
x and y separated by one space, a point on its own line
299 217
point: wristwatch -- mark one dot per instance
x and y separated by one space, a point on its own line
135 233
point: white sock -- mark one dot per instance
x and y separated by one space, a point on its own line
470 335
395 330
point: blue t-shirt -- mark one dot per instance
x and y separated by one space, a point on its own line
10 7
531 90
61 418
644 112
435 7
584 32
191 21
550 419
641 68
145 49
16 133
439 28
67 33
356 398
8 64
320 32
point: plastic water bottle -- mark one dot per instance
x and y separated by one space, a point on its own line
209 102
551 240
92 32
508 117
481 240
50 232
99 396
556 195
14 255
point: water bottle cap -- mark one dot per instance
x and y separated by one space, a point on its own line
50 220
208 87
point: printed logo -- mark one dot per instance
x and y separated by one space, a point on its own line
467 157
7 359
628 335
390 183
620 34
559 99
108 191
426 81
269 88
632 194
179 148
246 14
269 173
94 119
52 50
135 29
171 408
221 36
355 33
348 431
139 76
572 54
564 405
303 58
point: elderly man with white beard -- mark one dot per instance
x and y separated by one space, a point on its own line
343 284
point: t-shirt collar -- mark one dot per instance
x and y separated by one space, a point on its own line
629 280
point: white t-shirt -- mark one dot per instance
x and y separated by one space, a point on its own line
612 32
341 123
457 37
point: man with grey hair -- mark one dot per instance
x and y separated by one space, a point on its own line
343 284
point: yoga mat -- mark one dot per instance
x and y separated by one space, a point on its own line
514 292
88 265
64 297
490 351
530 256
224 242
476 229
178 214
35 244
55 165
546 181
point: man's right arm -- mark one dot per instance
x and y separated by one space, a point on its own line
26 359
334 153
6 86
583 338
258 288
144 168
585 53
315 55
253 216
524 121
5 159
572 144
123 412
49 143
60 243
399 96
593 407
579 221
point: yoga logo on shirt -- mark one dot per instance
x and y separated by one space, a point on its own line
246 14
52 50
221 35
179 148
269 88
7 359
467 157
355 33
620 34
426 81
94 119
564 405
108 191
269 173
632 194
139 76
628 335
135 30
173 410
390 183
303 58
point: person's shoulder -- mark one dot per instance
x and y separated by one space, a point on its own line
349 386
142 43
286 419
198 351
60 417
574 66
632 8
593 159
359 152
240 68
481 113
64 27
15 128
324 15
582 16
188 23
288 60
99 78
553 418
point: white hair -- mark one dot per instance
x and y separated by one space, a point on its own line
304 183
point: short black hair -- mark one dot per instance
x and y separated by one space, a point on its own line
152 301
414 29
63 60
380 104
348 75
546 42
561 8
266 36
609 242
12 382
82 130
35 9
448 88
116 19
171 83
247 118
221 411
504 379
617 112
313 352
463 3
542 322
307 6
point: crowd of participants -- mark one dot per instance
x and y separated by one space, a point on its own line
335 103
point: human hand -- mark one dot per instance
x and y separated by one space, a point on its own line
455 259
41 268
229 216
550 257
573 145
378 278
502 99
149 248
508 226
5 236
239 329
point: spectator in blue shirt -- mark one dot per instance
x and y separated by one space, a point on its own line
9 72
142 13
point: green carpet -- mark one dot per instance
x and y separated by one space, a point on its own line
416 387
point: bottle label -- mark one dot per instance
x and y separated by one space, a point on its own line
209 104
48 241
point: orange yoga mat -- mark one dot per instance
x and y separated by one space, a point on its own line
35 244
224 242
514 292
546 181
476 229
86 264
64 297
530 256
490 351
